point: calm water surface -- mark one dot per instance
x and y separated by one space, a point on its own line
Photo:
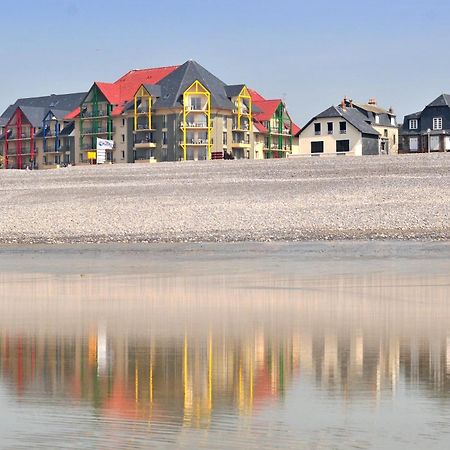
307 346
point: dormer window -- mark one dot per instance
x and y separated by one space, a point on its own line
393 121
377 119
413 124
437 123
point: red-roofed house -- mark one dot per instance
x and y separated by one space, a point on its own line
274 130
100 113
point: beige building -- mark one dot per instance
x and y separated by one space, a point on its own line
350 129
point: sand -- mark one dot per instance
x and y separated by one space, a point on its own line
391 197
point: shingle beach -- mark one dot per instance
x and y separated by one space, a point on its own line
391 197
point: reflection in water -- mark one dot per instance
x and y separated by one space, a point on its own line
197 352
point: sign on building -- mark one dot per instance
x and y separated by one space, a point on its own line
102 146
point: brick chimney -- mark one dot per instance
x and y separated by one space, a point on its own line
372 101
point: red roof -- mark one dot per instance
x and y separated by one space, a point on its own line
256 96
267 108
123 90
295 129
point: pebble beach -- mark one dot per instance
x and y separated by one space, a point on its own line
364 198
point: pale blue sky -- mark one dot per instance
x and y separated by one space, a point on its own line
312 53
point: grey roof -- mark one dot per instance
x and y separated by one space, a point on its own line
234 90
351 115
174 84
442 100
153 89
68 129
61 102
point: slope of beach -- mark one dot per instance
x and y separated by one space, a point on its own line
396 197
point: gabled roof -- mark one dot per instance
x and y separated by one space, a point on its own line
174 85
256 96
351 115
234 90
267 108
442 100
60 102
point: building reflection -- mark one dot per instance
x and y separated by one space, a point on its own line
193 378
188 348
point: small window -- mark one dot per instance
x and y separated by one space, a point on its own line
437 123
386 133
317 147
164 138
330 127
342 146
224 119
393 123
343 127
413 144
413 124
123 138
394 139
123 122
317 129
377 119
123 154
164 121
225 138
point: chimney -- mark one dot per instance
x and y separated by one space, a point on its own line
351 103
391 110
373 101
343 105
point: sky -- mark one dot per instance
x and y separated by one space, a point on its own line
311 54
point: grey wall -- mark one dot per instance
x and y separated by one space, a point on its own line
369 145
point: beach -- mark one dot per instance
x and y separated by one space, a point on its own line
297 199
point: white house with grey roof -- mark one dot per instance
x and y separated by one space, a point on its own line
339 130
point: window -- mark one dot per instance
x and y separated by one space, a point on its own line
413 144
377 119
224 119
123 138
394 139
437 123
342 146
196 103
164 138
413 124
225 138
123 154
123 122
393 123
386 133
317 129
164 121
343 127
317 147
330 127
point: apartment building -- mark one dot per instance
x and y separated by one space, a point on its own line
35 132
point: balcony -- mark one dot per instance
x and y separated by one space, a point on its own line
196 125
100 130
144 145
92 115
195 142
142 127
240 144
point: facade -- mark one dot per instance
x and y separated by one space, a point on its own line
428 130
171 113
275 132
180 113
350 129
35 132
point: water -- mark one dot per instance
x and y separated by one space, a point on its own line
305 346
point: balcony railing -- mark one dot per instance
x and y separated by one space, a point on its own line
194 125
100 130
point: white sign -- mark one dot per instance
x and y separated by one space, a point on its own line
102 146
